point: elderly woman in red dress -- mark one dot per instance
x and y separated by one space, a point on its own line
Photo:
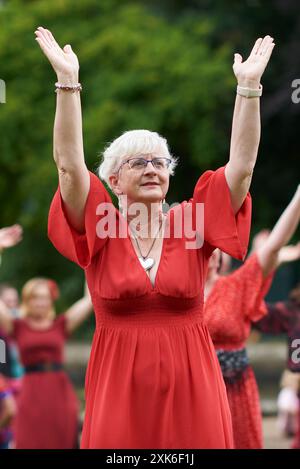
153 379
232 303
47 415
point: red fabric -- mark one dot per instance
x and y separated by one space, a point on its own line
3 384
243 398
233 303
219 229
47 405
153 379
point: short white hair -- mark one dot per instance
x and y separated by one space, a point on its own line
131 143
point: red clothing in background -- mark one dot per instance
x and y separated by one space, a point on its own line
47 416
234 302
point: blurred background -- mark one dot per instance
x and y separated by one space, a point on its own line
164 66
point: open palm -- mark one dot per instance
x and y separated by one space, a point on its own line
253 68
10 236
63 61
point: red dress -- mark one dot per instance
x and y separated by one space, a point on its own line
234 302
47 416
153 379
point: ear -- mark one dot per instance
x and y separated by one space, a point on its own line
114 183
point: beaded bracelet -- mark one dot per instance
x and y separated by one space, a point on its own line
59 86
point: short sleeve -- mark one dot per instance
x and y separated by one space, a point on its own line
252 284
276 321
78 247
222 228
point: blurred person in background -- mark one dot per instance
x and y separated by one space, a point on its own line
11 369
283 317
47 416
232 304
10 297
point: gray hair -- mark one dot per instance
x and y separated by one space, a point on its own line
131 143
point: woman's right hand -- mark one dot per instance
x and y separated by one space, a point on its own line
10 236
64 61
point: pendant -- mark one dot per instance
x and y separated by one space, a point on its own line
147 263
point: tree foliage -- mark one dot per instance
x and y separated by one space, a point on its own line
164 66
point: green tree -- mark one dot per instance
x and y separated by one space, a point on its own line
138 70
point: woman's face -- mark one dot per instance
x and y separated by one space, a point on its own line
40 302
11 298
147 185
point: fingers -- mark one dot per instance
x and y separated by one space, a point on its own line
41 33
52 39
256 47
40 38
238 58
67 49
266 46
269 51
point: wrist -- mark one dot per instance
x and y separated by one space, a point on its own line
68 79
248 83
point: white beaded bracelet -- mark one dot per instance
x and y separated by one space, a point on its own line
249 92
73 88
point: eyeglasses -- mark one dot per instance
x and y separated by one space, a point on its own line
139 164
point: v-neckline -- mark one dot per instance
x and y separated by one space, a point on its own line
153 287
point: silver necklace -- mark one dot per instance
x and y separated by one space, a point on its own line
147 262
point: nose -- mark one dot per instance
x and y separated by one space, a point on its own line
149 168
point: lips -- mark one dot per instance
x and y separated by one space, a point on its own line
150 184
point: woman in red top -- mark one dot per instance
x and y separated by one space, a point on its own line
153 379
47 416
232 303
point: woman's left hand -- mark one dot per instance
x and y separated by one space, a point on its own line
249 72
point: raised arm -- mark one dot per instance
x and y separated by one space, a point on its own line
79 312
67 139
10 236
269 253
245 134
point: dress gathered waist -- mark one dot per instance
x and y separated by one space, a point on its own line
233 363
152 309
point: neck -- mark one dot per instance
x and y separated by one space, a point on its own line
145 222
